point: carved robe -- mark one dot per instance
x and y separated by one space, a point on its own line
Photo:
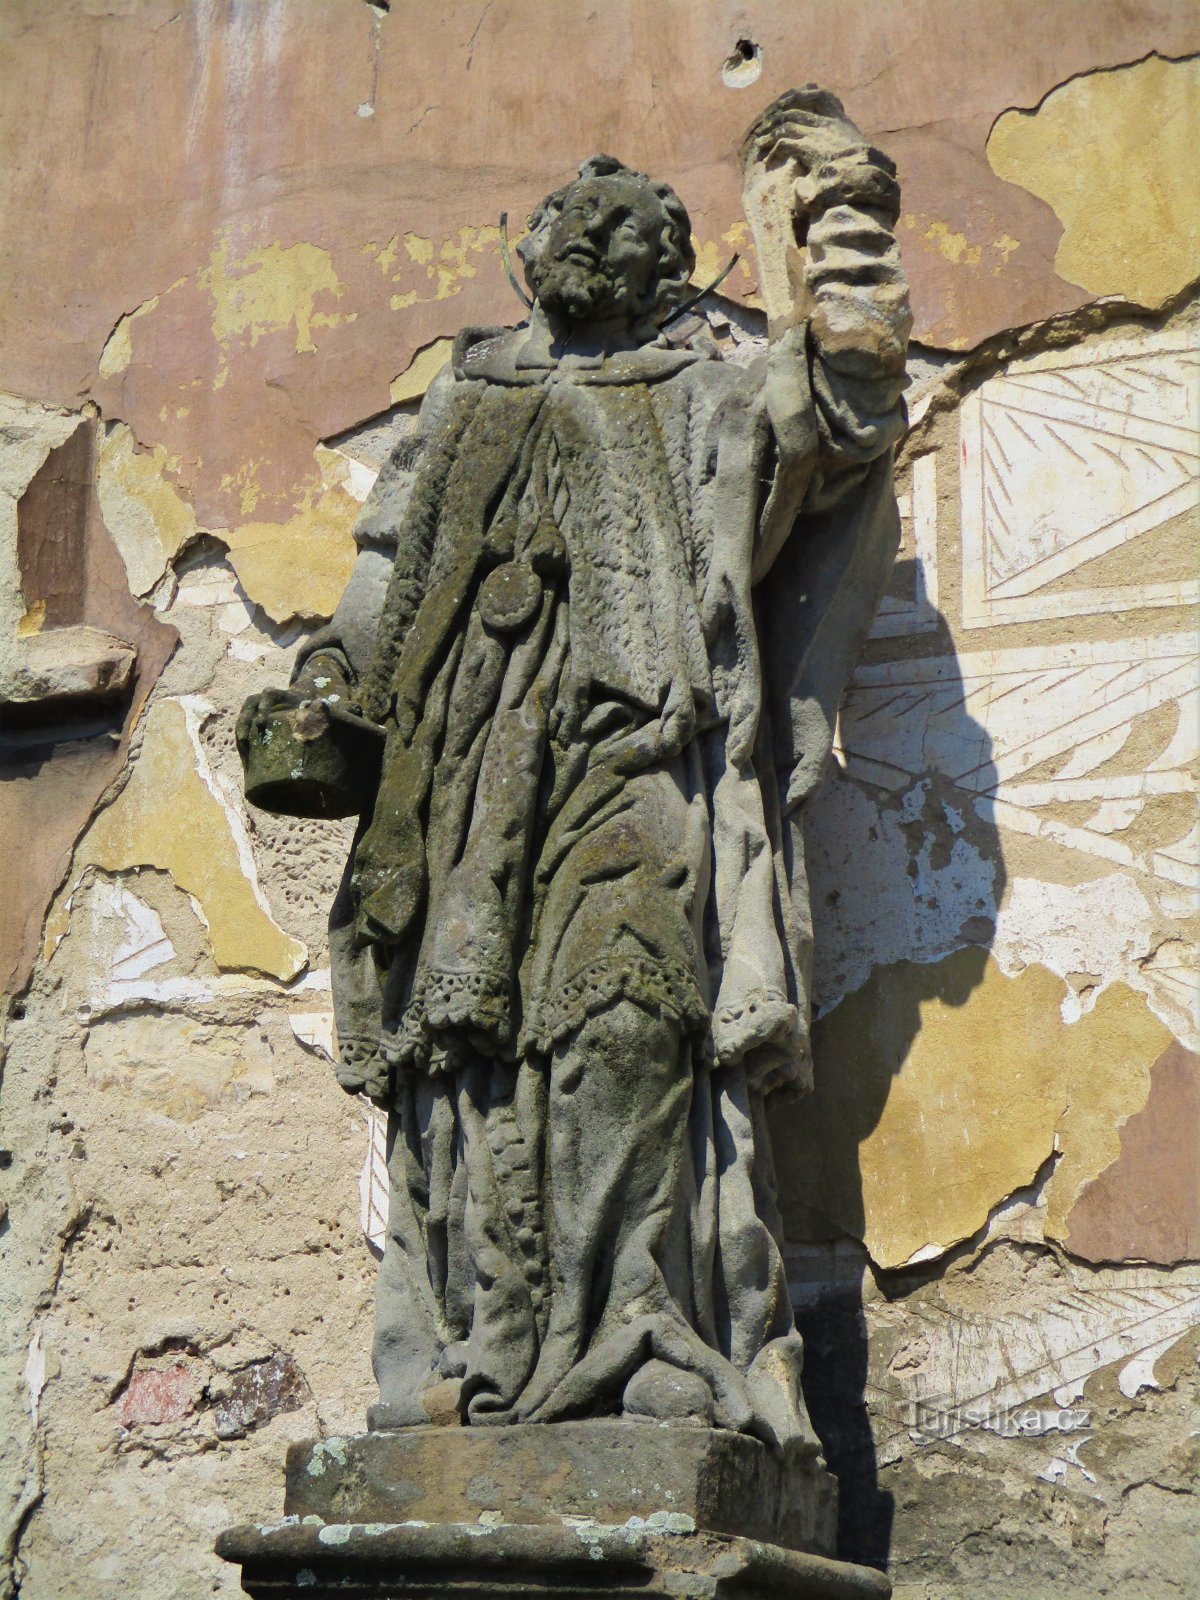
574 936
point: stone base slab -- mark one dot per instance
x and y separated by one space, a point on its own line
542 1474
314 1560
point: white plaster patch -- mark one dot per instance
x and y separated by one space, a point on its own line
35 1372
881 894
249 650
210 584
1101 927
125 951
143 947
995 1361
213 586
314 1030
1058 1468
918 523
1070 455
982 721
315 982
373 1179
360 477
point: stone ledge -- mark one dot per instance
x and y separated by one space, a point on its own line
61 669
539 1474
314 1560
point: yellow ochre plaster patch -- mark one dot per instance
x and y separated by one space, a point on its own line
439 269
298 568
33 620
149 519
171 815
421 371
712 257
1108 1079
941 1088
1114 154
953 245
118 350
269 289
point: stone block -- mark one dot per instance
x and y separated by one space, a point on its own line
52 673
542 1474
314 1560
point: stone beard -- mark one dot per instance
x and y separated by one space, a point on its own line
607 599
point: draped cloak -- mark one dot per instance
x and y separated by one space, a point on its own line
625 598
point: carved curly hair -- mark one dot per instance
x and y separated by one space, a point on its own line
676 258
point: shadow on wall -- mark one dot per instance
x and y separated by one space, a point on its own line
906 875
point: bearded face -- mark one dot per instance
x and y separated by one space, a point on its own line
600 257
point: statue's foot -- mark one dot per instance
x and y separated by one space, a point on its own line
658 1392
436 1406
452 1363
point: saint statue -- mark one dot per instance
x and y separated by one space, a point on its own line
582 681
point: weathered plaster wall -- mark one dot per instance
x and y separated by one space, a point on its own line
236 241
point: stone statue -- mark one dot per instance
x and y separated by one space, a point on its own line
582 680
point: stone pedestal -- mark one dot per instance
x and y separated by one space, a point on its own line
564 1510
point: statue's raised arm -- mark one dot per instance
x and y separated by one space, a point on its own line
822 206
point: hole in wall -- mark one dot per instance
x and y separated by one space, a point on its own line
743 66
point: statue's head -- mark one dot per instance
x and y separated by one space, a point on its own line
611 243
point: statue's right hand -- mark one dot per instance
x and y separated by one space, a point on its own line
805 125
254 715
372 1077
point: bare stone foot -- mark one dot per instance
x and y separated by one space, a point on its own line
658 1392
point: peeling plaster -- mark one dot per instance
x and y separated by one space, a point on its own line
124 960
942 1088
150 521
982 802
28 433
967 1348
268 289
1103 928
435 268
118 348
173 814
1127 197
314 1029
1145 1204
299 567
421 371
176 1065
